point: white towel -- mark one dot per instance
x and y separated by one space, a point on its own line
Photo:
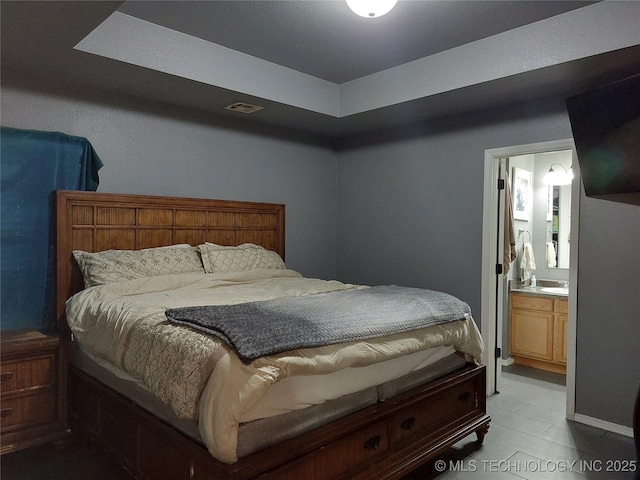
528 262
551 255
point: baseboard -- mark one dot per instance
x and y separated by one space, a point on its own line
507 361
604 425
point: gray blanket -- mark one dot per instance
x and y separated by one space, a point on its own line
258 329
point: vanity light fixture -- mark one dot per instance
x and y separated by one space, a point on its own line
553 177
371 8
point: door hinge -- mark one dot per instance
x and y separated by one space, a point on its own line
501 184
499 269
498 352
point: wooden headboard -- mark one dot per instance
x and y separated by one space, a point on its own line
94 222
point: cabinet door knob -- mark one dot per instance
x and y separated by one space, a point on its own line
464 397
373 443
4 376
408 424
5 412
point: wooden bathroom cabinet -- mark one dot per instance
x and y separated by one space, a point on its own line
538 326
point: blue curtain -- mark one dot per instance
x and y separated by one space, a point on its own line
33 165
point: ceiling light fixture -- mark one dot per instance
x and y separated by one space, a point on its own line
553 177
371 8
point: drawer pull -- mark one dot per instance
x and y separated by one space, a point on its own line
408 424
464 397
373 443
5 412
4 376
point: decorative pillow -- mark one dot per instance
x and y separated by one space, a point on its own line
111 266
248 256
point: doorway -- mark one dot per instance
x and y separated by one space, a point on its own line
500 164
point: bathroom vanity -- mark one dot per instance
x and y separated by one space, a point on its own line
538 327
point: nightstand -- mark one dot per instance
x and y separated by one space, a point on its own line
32 403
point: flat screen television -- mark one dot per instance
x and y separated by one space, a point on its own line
606 131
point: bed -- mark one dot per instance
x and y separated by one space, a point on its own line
408 409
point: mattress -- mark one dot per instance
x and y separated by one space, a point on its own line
257 435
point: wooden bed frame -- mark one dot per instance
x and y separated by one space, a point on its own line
384 441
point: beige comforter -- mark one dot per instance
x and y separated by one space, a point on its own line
199 376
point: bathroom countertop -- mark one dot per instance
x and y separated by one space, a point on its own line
537 291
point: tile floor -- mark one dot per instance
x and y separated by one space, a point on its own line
530 438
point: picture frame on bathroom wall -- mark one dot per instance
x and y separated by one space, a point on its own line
522 190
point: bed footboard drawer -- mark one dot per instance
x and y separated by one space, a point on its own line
368 444
438 410
339 457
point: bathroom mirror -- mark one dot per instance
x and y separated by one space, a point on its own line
558 235
546 222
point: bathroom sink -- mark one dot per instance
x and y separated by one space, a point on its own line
556 290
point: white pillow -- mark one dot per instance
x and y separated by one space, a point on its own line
248 256
111 266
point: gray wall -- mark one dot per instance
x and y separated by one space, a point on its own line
410 209
150 148
608 353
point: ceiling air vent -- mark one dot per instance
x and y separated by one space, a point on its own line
243 107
